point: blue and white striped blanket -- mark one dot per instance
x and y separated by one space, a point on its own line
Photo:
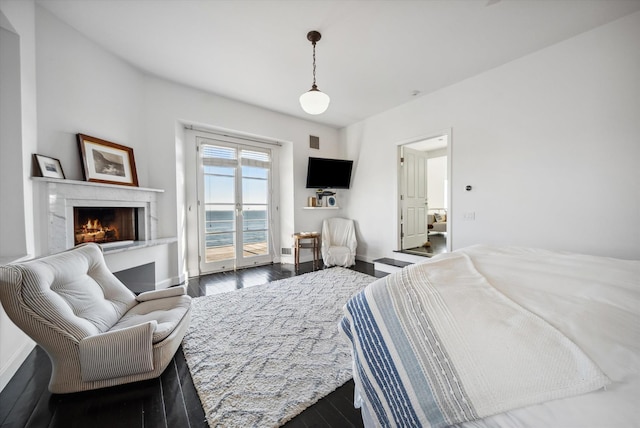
435 344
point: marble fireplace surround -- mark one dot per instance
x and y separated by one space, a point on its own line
61 196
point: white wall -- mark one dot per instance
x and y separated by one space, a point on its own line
549 142
12 224
18 133
436 178
85 89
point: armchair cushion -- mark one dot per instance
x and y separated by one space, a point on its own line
167 312
340 256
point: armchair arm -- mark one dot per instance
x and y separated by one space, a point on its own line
117 353
161 294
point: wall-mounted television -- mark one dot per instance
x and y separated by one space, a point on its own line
325 173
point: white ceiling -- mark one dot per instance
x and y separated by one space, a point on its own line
372 57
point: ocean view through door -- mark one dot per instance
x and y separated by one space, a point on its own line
234 186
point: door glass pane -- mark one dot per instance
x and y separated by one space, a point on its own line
254 205
220 232
219 184
219 205
254 185
255 172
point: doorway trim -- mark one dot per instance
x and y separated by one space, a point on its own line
442 133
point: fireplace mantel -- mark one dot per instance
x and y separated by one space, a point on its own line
94 185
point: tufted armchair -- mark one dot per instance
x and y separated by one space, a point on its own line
96 331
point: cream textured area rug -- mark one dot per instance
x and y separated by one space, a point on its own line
261 355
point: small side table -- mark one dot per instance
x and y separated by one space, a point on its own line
314 244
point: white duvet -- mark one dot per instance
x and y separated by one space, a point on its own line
593 301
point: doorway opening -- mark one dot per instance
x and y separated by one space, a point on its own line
424 203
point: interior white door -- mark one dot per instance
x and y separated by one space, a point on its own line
233 189
414 197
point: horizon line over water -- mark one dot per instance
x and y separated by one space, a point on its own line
220 227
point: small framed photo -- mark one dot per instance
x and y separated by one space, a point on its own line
48 167
107 162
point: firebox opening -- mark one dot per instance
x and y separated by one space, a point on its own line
102 225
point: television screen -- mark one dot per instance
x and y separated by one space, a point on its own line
325 173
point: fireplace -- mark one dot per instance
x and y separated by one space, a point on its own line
60 201
70 205
104 224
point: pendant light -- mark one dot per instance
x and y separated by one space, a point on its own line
314 101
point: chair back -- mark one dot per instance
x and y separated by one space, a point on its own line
338 232
71 294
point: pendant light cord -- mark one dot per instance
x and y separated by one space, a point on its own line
314 65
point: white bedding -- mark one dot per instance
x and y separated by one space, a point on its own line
595 302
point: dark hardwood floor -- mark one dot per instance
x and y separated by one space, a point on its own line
438 245
168 401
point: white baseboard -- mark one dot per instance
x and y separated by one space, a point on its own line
382 267
175 280
14 363
182 279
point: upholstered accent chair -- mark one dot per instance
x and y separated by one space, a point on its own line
96 331
339 242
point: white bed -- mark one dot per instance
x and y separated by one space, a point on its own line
594 302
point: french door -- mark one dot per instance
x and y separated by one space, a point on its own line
233 199
414 193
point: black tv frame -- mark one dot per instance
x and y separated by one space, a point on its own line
327 173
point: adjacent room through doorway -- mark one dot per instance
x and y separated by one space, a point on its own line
425 196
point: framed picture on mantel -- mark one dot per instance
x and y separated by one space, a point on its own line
48 167
107 162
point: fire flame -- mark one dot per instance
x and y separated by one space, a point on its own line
94 231
93 225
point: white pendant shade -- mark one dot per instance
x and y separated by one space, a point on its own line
314 101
